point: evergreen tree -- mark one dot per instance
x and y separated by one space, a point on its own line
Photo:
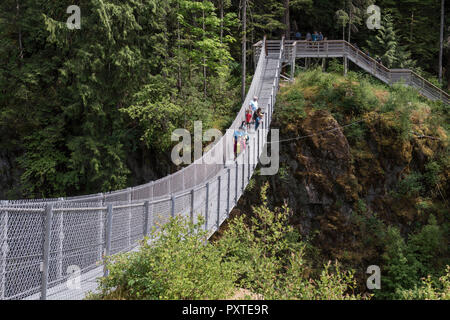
386 46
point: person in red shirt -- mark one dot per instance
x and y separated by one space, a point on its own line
248 116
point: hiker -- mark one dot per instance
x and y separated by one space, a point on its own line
320 36
308 37
237 144
298 35
314 36
379 60
245 137
257 117
248 116
254 103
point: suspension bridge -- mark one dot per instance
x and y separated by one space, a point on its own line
53 248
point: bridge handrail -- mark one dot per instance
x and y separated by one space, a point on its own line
351 49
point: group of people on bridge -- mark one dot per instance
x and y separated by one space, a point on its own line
253 116
316 36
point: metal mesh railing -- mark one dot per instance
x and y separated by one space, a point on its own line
53 248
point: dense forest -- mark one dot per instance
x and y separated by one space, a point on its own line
92 109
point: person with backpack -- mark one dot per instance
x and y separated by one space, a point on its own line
258 118
320 36
237 144
244 135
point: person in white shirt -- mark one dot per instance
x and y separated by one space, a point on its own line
254 103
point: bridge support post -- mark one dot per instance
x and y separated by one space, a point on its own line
108 235
236 184
219 184
293 69
46 250
59 271
228 191
101 229
4 252
254 153
192 206
258 144
172 206
345 65
129 196
248 166
243 173
206 206
146 218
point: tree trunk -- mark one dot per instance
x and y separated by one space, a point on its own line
204 54
350 25
221 21
20 30
441 46
179 83
244 47
447 72
287 20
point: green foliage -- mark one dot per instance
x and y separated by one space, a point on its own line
335 66
174 263
417 28
400 270
269 258
386 45
264 255
348 97
84 109
407 262
428 247
411 185
292 103
429 289
355 133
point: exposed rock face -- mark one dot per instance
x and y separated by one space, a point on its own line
323 172
325 179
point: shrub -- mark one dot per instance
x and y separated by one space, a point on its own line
270 258
175 264
334 65
429 289
411 185
292 105
264 256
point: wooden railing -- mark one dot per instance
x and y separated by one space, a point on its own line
341 48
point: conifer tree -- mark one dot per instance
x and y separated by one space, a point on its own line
385 44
